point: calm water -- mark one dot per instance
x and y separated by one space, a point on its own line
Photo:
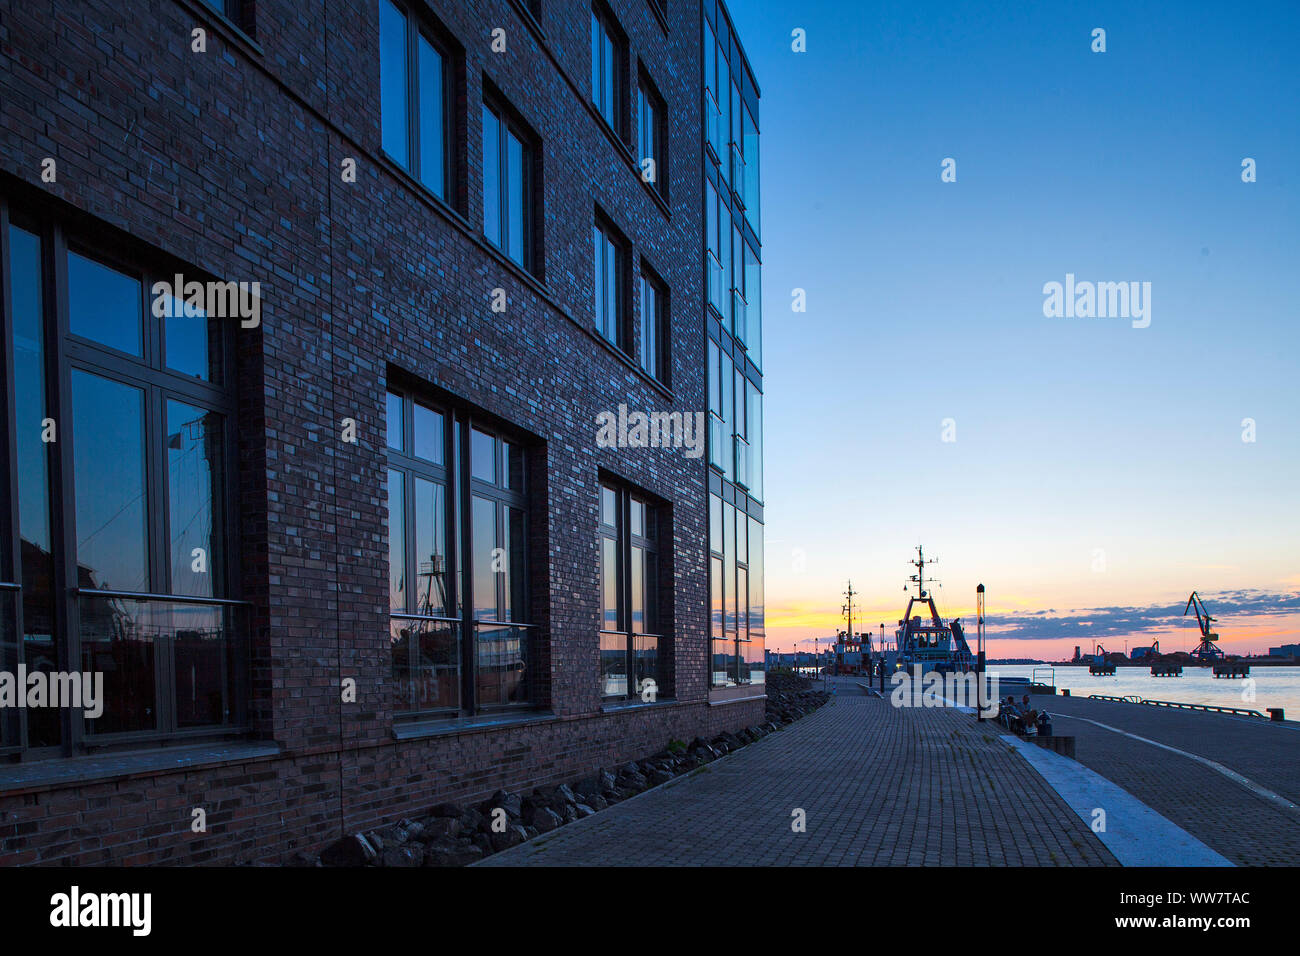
1273 686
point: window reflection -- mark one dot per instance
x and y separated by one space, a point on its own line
194 464
108 447
104 305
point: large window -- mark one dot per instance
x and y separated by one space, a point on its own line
507 186
737 613
607 69
457 573
630 626
609 266
119 546
654 326
651 155
413 101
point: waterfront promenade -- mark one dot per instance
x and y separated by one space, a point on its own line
1241 797
878 786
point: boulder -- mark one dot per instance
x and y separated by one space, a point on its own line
410 854
511 803
513 835
460 853
545 819
353 850
441 828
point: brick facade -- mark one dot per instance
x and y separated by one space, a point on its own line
228 162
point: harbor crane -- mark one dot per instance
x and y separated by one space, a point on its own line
1207 650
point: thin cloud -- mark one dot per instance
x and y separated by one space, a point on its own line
1095 623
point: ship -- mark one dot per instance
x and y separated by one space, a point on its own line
929 644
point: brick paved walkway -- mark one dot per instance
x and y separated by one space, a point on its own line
1246 828
879 786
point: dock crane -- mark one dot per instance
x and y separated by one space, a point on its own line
1206 651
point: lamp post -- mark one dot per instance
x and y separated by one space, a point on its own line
979 660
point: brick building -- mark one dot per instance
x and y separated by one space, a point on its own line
351 542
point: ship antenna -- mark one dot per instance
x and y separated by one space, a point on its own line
919 578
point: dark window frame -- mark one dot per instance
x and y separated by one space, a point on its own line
614 237
64 352
460 488
648 93
510 123
604 18
654 518
418 25
660 322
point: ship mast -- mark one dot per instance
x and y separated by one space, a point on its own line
919 579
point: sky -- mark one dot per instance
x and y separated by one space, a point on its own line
1097 472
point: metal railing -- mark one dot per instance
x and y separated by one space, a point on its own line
1179 705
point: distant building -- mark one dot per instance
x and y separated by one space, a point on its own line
1286 650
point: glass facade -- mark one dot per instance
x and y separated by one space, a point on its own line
733 322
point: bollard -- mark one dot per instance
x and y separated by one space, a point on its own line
1065 692
1276 713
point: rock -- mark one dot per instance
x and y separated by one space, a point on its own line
471 820
303 858
570 812
511 803
411 854
447 810
658 777
545 819
632 782
596 802
483 841
441 828
353 850
455 854
414 829
512 836
584 811
394 835
628 768
565 793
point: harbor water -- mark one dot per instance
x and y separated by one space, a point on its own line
1270 686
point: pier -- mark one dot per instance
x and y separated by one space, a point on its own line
1230 779
892 786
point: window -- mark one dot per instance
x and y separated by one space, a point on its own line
507 186
654 327
735 596
713 222
610 285
651 154
607 69
629 586
457 593
232 10
415 120
134 582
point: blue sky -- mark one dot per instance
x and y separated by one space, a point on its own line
1074 437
